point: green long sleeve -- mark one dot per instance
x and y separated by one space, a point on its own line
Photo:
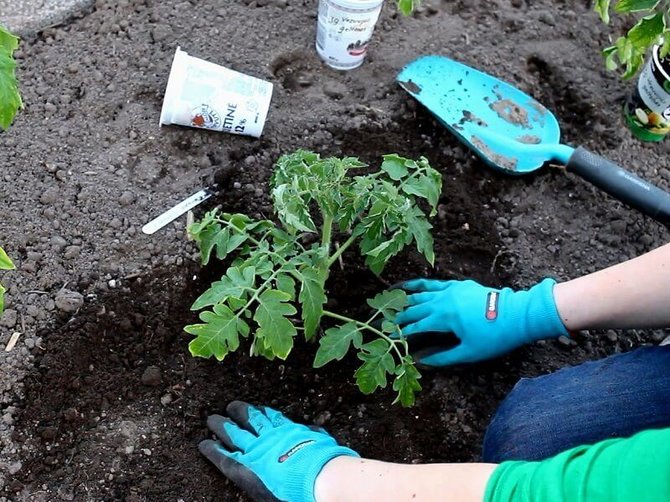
635 469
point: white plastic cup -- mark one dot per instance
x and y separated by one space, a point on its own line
344 30
206 95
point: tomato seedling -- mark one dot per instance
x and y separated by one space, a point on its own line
275 286
650 29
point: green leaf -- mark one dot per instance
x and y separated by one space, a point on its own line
219 335
312 298
275 330
406 382
286 283
2 299
406 7
335 344
207 238
377 363
292 210
394 166
231 243
389 302
647 31
10 99
623 6
633 65
610 58
420 230
5 261
237 283
602 7
425 187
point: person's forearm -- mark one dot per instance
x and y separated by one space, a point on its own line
348 479
633 294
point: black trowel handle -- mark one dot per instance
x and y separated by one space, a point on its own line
621 184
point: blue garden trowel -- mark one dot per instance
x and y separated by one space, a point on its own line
512 132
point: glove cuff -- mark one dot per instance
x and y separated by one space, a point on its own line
542 318
300 485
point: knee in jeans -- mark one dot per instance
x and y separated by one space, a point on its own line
507 436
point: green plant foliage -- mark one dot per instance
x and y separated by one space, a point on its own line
5 264
650 29
10 99
406 7
275 286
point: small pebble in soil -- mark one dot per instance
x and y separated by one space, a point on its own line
166 399
612 336
9 318
69 301
151 376
126 198
146 451
566 341
322 418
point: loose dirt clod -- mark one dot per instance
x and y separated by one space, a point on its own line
529 139
500 160
152 376
511 112
69 301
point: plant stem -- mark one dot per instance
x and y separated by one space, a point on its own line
327 233
342 249
364 325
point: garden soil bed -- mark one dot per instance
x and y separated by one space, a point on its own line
104 402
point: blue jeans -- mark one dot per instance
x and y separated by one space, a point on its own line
614 397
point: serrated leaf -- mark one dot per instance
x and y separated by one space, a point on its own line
275 330
602 7
610 58
633 65
286 283
390 327
394 166
635 5
406 382
207 239
423 239
219 335
377 363
389 302
312 299
237 283
10 99
292 210
424 186
232 242
647 31
385 251
5 261
335 344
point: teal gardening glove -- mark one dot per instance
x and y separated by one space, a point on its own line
488 322
267 455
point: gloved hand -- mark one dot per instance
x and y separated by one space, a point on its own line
488 322
267 455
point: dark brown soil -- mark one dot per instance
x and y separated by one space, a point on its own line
92 424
